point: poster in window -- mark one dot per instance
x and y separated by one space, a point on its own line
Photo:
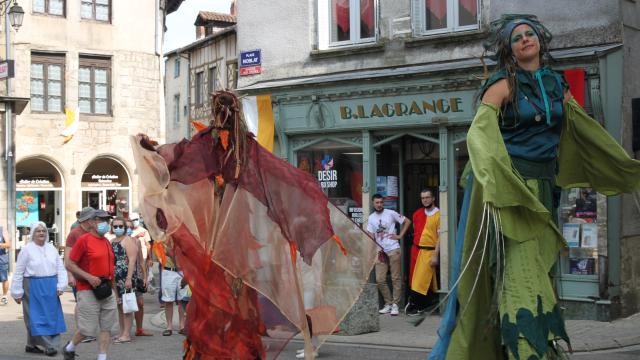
589 235
582 266
26 208
571 233
586 204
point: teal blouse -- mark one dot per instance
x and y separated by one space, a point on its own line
531 129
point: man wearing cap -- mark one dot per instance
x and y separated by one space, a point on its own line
91 260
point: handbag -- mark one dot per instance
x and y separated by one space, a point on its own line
129 302
103 290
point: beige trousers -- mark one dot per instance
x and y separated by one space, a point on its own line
396 279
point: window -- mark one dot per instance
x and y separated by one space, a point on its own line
200 88
213 82
346 22
232 75
441 16
96 10
51 7
47 86
94 85
176 67
176 108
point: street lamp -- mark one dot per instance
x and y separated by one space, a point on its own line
16 14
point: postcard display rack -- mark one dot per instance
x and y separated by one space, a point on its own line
582 218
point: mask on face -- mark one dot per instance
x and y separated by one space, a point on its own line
118 231
129 231
136 223
102 228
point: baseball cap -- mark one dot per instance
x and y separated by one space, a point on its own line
86 213
134 216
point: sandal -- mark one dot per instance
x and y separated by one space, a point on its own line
121 341
167 333
142 332
182 332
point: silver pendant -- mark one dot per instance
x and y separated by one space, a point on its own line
538 117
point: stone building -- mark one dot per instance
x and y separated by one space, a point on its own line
99 59
195 71
386 90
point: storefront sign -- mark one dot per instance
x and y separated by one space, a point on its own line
250 62
34 183
328 177
103 181
386 110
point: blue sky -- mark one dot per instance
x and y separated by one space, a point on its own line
180 28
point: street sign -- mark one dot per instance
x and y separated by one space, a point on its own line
250 62
6 69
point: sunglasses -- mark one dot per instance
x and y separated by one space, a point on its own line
118 226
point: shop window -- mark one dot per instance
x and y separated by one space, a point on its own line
441 16
94 85
200 88
582 215
99 10
338 168
105 185
39 197
50 7
47 83
346 22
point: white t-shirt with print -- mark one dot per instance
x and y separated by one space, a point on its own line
382 225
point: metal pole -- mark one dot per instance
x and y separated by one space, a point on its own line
9 151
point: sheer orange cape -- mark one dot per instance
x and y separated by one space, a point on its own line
238 248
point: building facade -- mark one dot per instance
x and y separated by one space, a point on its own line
97 61
384 92
195 71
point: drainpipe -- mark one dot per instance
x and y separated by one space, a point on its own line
9 154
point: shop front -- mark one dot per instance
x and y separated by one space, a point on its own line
398 136
105 185
39 197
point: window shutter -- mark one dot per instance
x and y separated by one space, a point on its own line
417 17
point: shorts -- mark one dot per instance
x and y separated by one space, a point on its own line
170 285
93 315
4 272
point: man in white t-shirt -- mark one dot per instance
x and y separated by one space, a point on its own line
382 227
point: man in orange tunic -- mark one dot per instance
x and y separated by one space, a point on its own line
425 255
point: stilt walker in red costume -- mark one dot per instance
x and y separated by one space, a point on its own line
237 218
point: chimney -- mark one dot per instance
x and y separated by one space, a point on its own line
232 10
200 32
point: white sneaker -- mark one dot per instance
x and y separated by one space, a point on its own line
300 354
4 301
394 310
385 310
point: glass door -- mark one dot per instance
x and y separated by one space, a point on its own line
94 199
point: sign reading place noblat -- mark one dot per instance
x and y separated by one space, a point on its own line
250 62
101 181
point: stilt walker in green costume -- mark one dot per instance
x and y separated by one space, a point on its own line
528 140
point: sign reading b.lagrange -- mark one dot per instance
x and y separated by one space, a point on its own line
451 105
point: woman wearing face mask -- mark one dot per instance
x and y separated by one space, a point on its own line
38 281
127 279
529 138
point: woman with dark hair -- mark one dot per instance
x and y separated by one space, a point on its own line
529 138
38 281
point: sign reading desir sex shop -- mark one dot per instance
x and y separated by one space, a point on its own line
453 105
